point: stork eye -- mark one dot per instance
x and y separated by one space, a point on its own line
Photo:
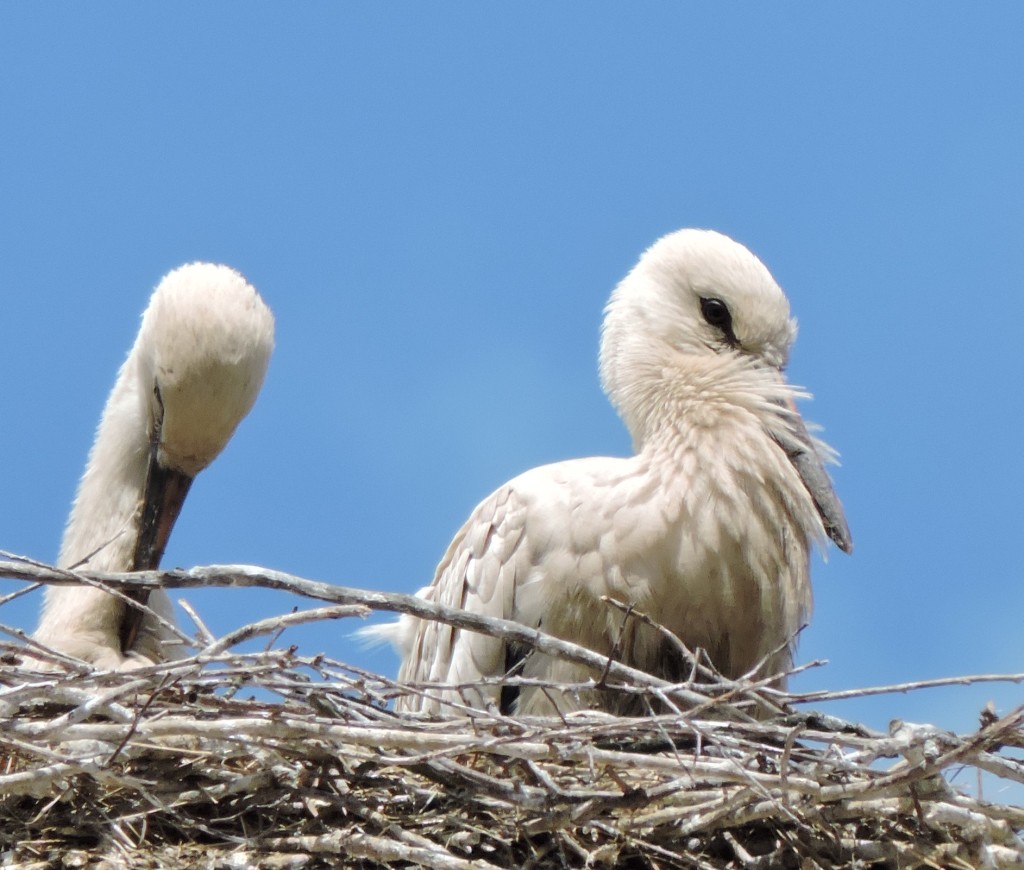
716 312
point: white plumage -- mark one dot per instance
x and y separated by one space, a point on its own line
193 373
707 528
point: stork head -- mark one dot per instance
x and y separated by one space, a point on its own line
700 310
694 292
202 352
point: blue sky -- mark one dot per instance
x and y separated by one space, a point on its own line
436 201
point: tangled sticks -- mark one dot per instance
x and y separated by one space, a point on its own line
276 759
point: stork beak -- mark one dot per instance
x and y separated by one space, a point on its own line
162 500
165 494
801 452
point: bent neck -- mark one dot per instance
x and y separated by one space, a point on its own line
711 436
103 526
672 397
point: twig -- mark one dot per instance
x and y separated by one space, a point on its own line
188 763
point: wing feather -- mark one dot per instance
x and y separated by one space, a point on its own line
478 573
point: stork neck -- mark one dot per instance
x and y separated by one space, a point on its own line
670 393
103 525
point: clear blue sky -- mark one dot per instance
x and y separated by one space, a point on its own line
436 200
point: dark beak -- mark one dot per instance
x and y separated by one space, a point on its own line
161 503
801 452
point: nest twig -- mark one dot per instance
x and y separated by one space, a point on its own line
277 759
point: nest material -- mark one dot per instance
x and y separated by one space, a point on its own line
278 760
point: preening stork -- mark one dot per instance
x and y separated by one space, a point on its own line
707 529
193 373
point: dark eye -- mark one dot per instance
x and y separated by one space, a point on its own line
716 312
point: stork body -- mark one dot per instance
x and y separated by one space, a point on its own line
706 529
193 373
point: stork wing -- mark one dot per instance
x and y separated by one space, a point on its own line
478 573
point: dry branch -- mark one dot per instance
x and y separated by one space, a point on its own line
276 759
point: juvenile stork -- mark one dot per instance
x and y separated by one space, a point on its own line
707 529
193 373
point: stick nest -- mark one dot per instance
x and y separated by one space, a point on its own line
278 760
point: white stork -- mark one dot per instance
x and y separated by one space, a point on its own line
707 529
193 373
